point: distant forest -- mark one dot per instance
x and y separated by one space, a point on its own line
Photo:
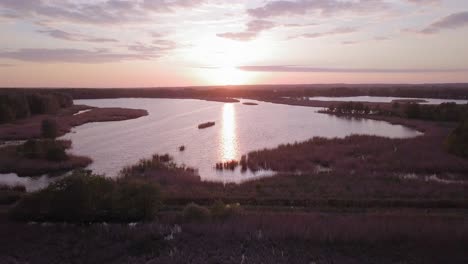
22 104
442 91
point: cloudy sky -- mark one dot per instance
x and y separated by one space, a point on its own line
151 43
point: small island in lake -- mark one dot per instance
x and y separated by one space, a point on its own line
249 103
205 125
409 101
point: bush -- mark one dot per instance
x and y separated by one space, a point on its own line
86 197
51 150
11 194
56 153
135 200
457 141
412 110
31 149
49 128
19 105
6 114
222 211
196 213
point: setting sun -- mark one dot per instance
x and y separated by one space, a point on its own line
218 60
249 131
225 76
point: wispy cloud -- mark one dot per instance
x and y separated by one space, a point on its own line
98 12
60 34
300 25
323 7
336 31
453 21
74 55
254 28
292 68
424 2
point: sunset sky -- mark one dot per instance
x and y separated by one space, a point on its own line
154 43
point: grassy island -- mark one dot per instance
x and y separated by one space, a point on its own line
206 125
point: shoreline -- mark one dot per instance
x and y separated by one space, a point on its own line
29 128
67 118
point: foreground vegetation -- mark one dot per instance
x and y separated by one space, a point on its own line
39 156
274 237
219 232
85 197
11 194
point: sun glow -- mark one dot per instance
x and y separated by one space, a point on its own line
228 136
226 76
219 60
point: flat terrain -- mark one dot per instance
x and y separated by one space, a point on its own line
253 237
31 127
360 199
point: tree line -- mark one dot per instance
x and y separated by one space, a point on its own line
14 106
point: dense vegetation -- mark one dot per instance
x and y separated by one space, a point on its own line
49 128
457 142
351 108
14 106
453 91
86 197
48 149
446 112
11 194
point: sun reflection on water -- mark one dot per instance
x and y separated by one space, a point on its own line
228 135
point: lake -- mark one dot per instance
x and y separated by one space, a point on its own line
238 130
381 99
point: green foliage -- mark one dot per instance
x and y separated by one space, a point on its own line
20 105
412 110
195 213
350 108
6 113
11 194
86 197
457 141
449 112
56 153
49 149
31 149
135 200
221 211
49 128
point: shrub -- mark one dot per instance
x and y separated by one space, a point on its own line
6 113
56 153
136 200
49 128
11 194
457 141
51 150
194 213
222 211
30 149
86 197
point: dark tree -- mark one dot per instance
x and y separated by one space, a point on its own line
49 128
457 142
412 110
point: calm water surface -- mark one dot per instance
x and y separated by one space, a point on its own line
239 129
173 122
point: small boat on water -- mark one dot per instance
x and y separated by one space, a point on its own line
205 125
